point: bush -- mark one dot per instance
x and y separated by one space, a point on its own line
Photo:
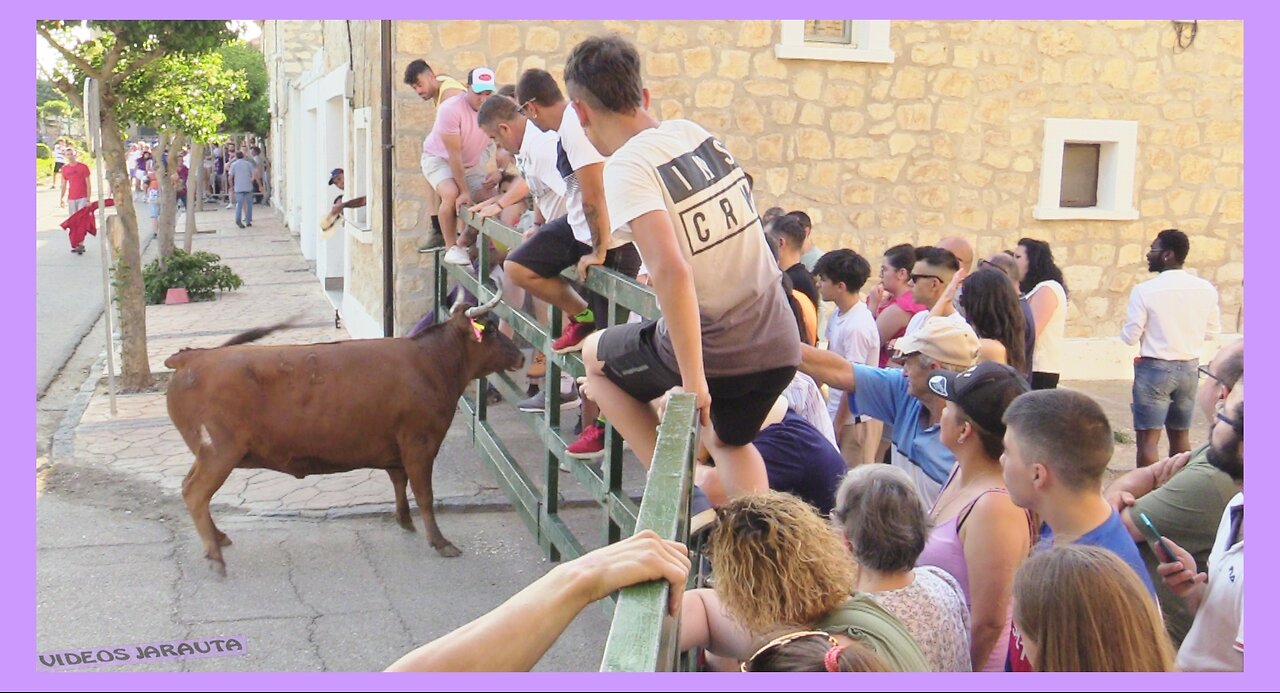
200 273
43 151
44 169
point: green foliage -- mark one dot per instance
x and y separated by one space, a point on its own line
42 151
181 93
45 91
200 273
44 169
56 108
248 114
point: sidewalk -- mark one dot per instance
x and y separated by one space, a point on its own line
142 443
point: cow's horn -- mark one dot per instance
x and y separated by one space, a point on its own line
488 305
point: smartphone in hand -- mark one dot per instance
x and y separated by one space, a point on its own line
1152 535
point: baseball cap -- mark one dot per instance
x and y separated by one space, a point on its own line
946 341
482 79
333 175
982 392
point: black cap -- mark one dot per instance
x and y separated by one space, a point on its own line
333 175
982 392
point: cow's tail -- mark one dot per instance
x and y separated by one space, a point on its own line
258 333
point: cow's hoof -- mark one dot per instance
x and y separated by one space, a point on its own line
448 551
406 525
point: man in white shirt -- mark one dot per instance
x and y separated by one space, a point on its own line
1216 639
1171 315
930 276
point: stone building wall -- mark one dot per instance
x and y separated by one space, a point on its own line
946 139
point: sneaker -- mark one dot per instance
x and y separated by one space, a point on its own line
571 339
248 223
239 224
434 240
457 255
538 368
229 205
538 403
589 445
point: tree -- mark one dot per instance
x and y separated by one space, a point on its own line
184 97
249 114
117 50
45 91
56 109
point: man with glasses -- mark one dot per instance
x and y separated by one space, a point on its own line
1171 315
932 273
1216 595
1182 495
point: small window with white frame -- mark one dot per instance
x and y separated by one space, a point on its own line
846 40
1087 169
358 183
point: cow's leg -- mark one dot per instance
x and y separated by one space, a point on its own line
205 478
418 455
400 481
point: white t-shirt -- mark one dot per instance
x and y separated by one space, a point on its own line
1047 357
1216 639
854 336
1172 315
679 168
917 320
537 163
576 152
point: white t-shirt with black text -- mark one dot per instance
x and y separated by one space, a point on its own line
678 167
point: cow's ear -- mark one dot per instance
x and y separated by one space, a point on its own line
477 330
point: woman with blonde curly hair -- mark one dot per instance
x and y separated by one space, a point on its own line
1082 608
775 562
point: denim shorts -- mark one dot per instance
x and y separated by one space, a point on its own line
1164 394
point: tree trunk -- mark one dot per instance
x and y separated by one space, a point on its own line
171 143
136 367
195 192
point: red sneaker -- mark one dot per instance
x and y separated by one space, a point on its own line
571 339
589 445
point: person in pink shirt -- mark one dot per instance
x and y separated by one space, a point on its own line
891 301
454 157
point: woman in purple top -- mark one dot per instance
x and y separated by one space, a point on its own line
979 535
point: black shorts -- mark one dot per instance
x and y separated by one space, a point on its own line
739 403
553 249
57 166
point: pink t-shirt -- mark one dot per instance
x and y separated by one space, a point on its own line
456 117
906 302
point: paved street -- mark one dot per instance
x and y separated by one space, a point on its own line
319 578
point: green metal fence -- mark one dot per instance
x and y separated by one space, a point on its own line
642 637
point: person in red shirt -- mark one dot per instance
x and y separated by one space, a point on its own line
75 176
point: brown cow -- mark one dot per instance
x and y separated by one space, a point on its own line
328 408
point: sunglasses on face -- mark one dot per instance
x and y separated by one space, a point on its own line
917 277
521 108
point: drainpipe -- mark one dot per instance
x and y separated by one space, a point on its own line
388 215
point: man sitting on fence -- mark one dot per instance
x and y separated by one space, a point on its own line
727 334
